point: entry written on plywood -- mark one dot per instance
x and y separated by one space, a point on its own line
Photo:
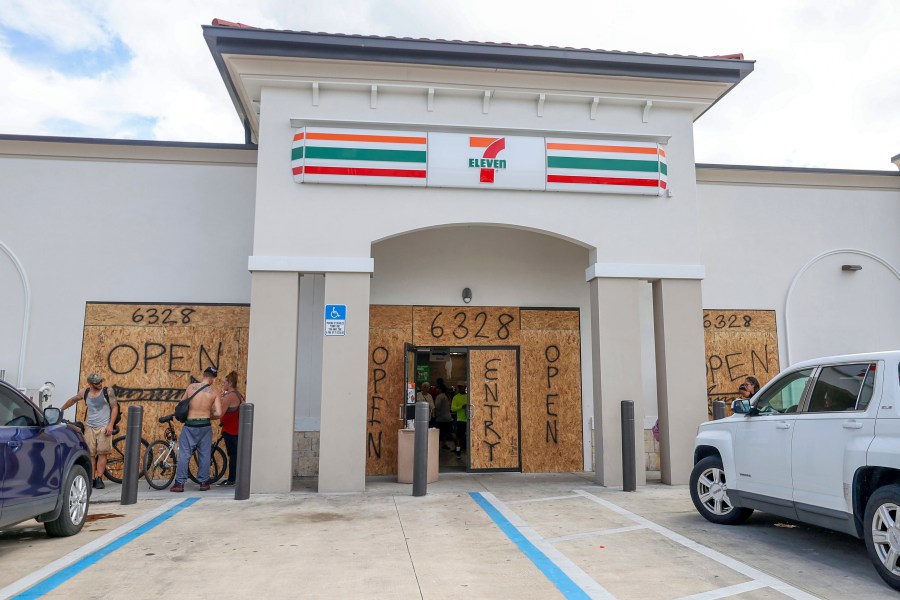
494 401
738 343
149 353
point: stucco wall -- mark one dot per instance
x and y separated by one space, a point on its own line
346 220
119 224
761 228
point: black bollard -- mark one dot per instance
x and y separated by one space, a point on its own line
132 467
718 410
629 469
245 445
420 450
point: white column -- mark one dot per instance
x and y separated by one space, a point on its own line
616 351
680 373
342 441
271 377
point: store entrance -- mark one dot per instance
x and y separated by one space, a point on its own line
475 397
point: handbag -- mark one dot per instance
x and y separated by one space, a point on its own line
183 407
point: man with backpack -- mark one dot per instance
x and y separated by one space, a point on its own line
204 404
102 413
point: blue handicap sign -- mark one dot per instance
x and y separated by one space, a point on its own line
335 312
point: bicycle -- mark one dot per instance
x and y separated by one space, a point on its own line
161 460
115 461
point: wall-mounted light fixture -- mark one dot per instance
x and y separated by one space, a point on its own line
467 295
851 267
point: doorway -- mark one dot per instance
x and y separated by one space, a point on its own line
478 390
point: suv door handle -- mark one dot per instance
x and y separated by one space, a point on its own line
13 444
782 425
852 425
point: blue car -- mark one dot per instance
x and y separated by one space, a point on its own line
44 466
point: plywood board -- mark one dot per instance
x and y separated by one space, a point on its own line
466 326
494 400
738 343
551 392
390 329
149 353
553 320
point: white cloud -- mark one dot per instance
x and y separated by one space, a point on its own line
824 92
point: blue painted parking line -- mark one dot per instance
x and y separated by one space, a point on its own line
562 573
59 577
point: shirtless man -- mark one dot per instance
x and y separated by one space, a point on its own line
206 404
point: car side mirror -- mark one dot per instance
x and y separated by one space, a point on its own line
740 407
52 416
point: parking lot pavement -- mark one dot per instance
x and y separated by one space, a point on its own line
474 536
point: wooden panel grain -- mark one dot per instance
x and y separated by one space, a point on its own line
494 398
150 364
738 343
551 395
541 319
466 326
167 315
390 329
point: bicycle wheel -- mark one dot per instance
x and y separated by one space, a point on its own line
115 461
160 465
216 470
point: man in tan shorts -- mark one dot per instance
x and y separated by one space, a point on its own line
102 409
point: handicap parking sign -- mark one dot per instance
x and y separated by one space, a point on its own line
335 319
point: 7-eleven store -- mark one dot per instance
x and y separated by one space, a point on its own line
519 220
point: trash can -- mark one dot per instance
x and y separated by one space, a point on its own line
406 442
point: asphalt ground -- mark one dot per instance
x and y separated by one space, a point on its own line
473 535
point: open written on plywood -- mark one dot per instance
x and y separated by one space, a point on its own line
149 353
738 343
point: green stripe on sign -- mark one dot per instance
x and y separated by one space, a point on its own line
602 164
664 168
297 153
408 156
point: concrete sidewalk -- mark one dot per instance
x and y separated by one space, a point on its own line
504 535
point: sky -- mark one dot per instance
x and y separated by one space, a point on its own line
825 91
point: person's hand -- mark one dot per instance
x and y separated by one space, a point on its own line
109 429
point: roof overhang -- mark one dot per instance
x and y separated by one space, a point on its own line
237 52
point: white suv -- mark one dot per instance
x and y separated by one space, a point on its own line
820 443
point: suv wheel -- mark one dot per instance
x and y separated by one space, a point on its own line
75 496
709 491
882 530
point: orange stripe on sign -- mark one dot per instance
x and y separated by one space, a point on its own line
662 152
298 137
355 137
597 148
481 142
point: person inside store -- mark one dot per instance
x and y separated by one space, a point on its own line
460 406
424 395
443 416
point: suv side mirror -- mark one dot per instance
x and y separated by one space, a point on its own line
740 407
52 416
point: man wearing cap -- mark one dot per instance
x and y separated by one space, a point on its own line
206 404
102 409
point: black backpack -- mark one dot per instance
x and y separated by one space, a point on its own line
106 395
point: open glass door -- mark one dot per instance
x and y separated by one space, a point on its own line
494 410
408 406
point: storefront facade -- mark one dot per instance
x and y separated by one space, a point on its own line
534 210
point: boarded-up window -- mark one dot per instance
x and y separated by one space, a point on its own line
738 343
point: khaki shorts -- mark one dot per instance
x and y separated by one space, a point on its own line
97 441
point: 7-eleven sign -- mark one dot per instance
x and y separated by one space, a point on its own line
488 161
485 161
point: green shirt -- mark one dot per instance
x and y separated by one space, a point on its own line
458 405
